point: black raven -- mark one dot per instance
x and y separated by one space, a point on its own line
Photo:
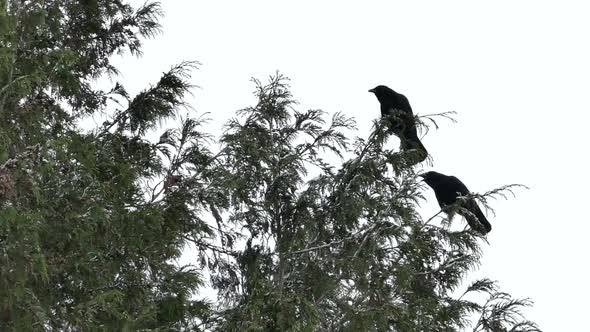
396 108
447 189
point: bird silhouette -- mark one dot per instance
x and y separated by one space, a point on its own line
396 109
447 189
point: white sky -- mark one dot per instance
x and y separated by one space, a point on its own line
518 74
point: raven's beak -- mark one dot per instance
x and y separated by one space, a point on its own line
372 90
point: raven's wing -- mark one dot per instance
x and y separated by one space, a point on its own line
404 104
476 219
396 102
457 186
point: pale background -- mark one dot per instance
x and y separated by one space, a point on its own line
517 73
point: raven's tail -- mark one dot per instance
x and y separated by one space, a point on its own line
486 224
414 143
476 219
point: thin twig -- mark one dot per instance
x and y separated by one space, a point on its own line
430 219
330 244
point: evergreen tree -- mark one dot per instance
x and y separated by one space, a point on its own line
343 250
91 221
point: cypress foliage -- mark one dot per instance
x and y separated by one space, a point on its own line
92 221
343 249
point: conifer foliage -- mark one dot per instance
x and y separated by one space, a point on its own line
92 222
89 221
339 248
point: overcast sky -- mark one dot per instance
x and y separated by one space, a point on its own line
517 74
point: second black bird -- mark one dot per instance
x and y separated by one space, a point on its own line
396 108
447 189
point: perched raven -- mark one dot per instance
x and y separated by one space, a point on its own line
447 189
396 108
